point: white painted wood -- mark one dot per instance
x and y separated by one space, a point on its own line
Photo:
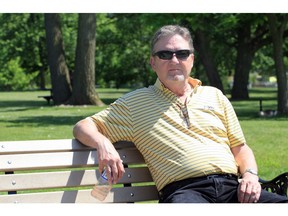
10 147
117 195
62 179
60 159
48 165
40 146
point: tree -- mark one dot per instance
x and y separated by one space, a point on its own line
245 53
123 49
203 47
61 85
84 76
225 44
211 40
21 45
277 24
251 36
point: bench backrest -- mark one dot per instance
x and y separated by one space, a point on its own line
65 171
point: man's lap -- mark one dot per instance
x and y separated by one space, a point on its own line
211 190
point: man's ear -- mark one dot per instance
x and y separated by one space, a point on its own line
193 57
152 62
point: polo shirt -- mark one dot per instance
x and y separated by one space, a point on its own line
177 140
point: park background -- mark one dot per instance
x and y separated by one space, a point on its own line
89 60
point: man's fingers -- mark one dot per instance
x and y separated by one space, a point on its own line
248 193
241 192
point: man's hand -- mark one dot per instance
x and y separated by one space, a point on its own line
249 189
109 159
87 133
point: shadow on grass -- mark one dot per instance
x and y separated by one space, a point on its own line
108 101
27 104
22 103
44 121
10 106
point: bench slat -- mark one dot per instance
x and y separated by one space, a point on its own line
42 161
61 179
117 195
61 159
29 146
16 147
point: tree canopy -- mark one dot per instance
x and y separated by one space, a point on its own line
227 45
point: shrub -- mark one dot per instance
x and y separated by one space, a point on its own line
12 76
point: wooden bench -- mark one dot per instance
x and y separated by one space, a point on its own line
48 98
65 171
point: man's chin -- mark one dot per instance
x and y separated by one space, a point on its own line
178 78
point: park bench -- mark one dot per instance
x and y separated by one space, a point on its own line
65 171
48 98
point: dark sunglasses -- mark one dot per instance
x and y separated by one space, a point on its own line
168 55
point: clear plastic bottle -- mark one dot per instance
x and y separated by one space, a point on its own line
102 187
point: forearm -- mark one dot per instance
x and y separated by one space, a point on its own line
87 133
244 158
249 189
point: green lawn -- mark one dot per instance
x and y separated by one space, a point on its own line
266 136
24 116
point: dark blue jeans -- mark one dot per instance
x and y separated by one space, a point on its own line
210 189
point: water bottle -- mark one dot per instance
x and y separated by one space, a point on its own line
102 187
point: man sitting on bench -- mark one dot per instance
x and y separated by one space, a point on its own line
188 134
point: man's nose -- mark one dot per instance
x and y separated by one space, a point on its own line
174 58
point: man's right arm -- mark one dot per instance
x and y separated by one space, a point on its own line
87 133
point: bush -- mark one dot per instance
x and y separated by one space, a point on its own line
12 76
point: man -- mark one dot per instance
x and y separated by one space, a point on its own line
188 134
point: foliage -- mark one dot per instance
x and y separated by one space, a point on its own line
14 77
69 34
123 50
123 44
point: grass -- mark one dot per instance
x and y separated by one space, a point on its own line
24 116
266 136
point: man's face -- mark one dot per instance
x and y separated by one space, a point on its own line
173 70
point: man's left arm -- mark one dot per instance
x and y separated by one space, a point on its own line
249 189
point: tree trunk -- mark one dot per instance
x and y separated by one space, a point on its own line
61 86
43 68
252 35
84 76
277 38
244 59
202 46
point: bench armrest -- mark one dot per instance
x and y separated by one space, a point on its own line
277 185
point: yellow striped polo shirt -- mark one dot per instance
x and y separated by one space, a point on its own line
178 140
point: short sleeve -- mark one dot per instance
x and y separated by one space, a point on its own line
115 122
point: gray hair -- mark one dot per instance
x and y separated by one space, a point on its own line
170 30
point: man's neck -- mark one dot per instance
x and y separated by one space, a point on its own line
181 89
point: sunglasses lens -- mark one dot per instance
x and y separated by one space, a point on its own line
168 55
182 54
165 55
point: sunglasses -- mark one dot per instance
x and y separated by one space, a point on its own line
168 55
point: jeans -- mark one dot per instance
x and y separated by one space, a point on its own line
210 189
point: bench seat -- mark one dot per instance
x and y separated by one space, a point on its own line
65 171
